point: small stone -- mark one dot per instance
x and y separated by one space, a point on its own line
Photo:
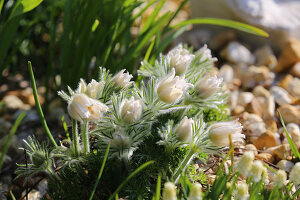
289 56
265 56
34 195
294 87
238 110
266 140
227 73
261 91
13 102
251 147
237 53
269 105
257 76
282 152
285 81
253 125
285 165
280 95
271 125
290 114
245 98
294 131
295 70
233 100
265 157
4 127
254 107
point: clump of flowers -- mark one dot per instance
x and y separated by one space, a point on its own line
159 118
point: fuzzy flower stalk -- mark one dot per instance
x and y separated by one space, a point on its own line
245 163
219 132
294 174
196 192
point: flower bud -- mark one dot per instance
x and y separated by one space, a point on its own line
219 132
122 79
280 178
131 110
196 192
82 108
256 170
169 191
245 163
294 174
93 89
208 86
38 158
171 88
184 130
120 141
241 192
180 59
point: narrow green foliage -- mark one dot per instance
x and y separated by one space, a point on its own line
100 172
158 187
134 173
9 138
12 195
224 22
38 105
291 143
23 6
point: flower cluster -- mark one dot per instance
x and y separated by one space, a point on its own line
163 112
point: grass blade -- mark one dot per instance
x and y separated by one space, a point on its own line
138 170
224 22
291 143
158 187
38 105
1 5
9 138
12 195
100 172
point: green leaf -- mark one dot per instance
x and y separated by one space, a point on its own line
291 143
100 172
1 5
10 136
23 6
224 22
138 170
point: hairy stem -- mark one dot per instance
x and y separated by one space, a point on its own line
85 137
183 165
75 137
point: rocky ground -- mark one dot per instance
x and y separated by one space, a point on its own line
258 84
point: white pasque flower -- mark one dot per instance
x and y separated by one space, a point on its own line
169 191
256 171
219 132
131 110
208 86
83 108
184 130
206 54
294 174
122 79
245 163
280 178
241 192
196 192
171 88
92 89
180 59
